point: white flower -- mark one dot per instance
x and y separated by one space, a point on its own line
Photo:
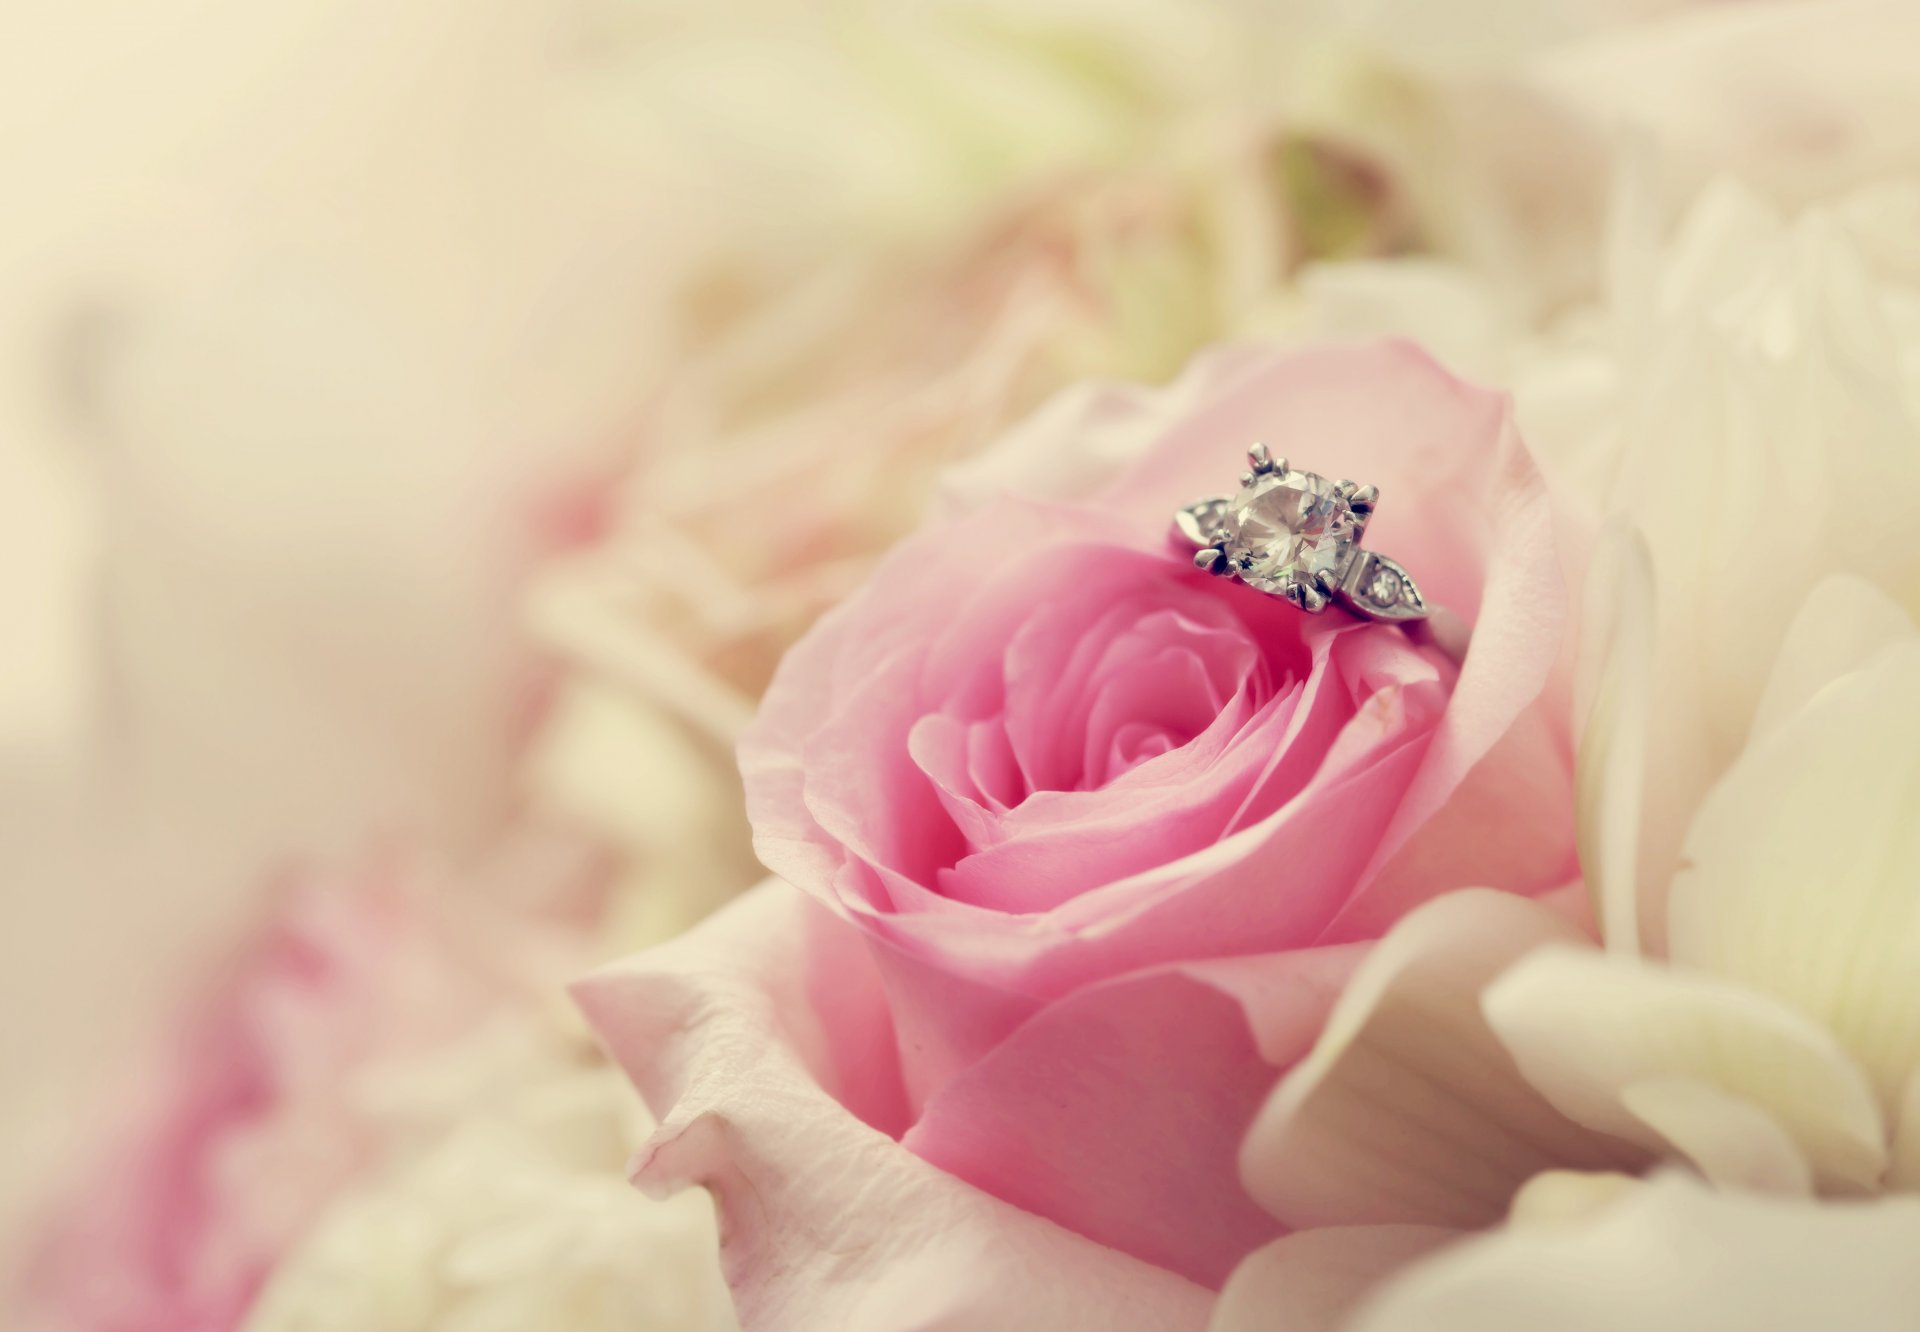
1485 1049
1803 98
516 1221
1746 399
1747 394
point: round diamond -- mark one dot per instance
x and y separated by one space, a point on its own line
1384 587
1288 527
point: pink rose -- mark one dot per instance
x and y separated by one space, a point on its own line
1090 840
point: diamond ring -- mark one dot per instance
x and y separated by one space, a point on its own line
1296 535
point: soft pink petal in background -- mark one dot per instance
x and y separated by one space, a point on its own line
248 1122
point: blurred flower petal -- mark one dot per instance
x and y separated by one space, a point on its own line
1801 868
1903 1175
1587 1027
1408 1109
1312 1281
1801 97
1618 633
1734 1143
1672 1256
1844 624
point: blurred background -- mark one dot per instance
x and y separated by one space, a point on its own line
423 425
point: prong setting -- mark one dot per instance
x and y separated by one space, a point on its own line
1380 589
1211 559
1315 595
1360 506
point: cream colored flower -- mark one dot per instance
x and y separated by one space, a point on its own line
1803 98
1746 393
500 1200
1747 400
520 1218
1486 1048
1667 1256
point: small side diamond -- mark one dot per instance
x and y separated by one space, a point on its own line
1384 587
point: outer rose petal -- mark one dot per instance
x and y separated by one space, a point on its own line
1119 1111
1672 1256
1092 430
736 1033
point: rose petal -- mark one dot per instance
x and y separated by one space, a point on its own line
1055 664
962 979
828 742
752 1037
1082 851
1094 430
1119 1110
1524 788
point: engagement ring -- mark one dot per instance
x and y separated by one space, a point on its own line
1296 535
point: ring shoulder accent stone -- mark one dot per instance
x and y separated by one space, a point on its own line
1380 589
